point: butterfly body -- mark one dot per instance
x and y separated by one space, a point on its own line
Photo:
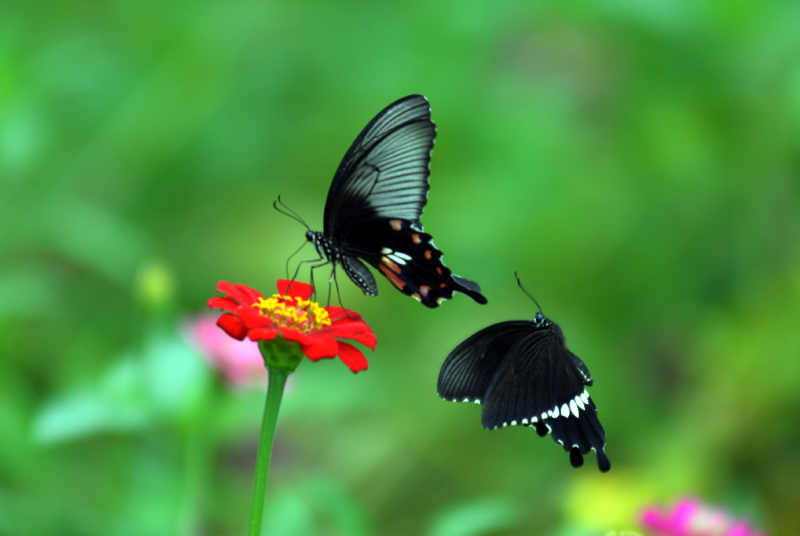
374 207
524 375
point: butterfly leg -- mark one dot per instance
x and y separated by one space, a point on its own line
338 294
299 264
311 272
290 258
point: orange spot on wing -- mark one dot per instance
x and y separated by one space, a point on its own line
397 225
396 281
416 239
424 290
428 254
416 297
391 264
438 270
442 285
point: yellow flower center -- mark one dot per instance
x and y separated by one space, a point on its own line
293 312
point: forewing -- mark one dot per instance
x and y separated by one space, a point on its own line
469 369
385 172
406 255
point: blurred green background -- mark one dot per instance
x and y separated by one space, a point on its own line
637 162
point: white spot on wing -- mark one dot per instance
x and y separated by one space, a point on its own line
396 258
585 397
386 251
403 256
579 401
573 407
565 411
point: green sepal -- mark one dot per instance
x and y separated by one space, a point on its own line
280 354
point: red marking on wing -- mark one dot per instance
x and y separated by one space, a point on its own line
416 297
416 239
392 265
428 254
442 285
438 270
397 225
424 289
396 281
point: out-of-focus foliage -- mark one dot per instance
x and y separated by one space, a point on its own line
637 162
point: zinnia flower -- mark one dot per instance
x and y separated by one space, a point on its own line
690 517
291 316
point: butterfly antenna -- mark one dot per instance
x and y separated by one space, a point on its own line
291 213
528 293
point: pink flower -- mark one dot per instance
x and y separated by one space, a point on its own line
240 362
690 517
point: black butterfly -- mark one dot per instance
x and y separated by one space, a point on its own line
523 374
374 207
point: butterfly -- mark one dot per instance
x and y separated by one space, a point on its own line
523 374
374 207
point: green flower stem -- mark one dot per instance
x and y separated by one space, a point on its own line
281 358
277 381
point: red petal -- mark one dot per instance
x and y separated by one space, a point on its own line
239 293
232 325
352 357
338 314
322 346
316 347
367 338
262 334
295 335
358 331
251 318
222 303
295 288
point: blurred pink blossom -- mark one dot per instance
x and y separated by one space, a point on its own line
240 362
690 517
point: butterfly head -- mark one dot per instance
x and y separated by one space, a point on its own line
540 320
323 245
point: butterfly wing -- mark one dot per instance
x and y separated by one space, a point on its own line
385 172
376 200
540 382
469 369
406 255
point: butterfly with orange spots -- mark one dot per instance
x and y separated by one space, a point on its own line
374 207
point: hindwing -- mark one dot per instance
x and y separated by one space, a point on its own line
405 254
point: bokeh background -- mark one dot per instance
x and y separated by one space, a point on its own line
637 162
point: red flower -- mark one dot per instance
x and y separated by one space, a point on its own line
318 330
